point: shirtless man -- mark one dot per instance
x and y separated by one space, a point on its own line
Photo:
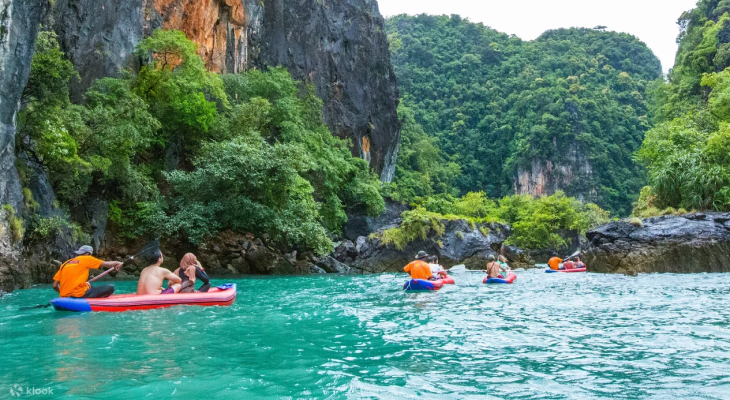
494 268
151 278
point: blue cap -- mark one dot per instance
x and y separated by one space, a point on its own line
84 250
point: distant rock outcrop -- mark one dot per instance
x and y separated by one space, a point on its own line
461 243
682 244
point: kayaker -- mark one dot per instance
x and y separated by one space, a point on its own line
70 280
419 269
494 268
579 263
503 262
554 262
569 264
437 270
190 270
152 278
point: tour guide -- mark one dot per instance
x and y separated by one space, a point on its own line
419 269
70 280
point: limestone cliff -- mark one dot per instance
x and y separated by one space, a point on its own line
18 29
339 46
571 173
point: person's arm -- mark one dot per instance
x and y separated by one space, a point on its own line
57 286
172 278
111 264
200 274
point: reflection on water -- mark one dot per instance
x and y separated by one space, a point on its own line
574 336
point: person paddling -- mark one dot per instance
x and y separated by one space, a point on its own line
152 277
419 269
554 262
70 280
494 268
190 270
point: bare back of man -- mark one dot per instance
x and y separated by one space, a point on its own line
152 277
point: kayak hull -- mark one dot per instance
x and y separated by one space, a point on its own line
223 295
446 281
509 279
552 271
422 285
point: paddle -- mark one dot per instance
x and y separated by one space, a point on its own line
461 268
148 250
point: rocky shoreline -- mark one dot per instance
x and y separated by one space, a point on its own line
690 243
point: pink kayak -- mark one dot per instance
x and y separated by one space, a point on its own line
223 295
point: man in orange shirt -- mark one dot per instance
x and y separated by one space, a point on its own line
419 269
554 263
70 280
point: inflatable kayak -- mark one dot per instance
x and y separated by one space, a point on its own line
223 295
422 285
446 281
552 271
509 279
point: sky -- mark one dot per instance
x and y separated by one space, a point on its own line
652 21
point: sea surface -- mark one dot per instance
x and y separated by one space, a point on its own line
547 336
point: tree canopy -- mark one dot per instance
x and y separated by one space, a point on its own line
493 103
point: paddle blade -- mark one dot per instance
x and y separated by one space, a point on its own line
387 278
458 268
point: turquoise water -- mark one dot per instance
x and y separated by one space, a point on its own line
548 336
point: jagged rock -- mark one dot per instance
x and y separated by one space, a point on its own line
240 265
345 252
232 270
517 258
681 244
362 225
460 244
332 266
317 270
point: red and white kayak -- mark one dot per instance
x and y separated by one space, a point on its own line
223 295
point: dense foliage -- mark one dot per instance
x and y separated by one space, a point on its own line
178 150
495 104
687 152
536 223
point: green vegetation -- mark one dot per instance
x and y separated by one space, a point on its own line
687 152
177 150
536 223
491 104
17 229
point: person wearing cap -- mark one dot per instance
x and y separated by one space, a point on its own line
418 268
70 280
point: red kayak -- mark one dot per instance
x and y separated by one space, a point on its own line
223 295
551 271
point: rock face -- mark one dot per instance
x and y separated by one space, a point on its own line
339 46
460 244
363 225
545 177
681 244
18 29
